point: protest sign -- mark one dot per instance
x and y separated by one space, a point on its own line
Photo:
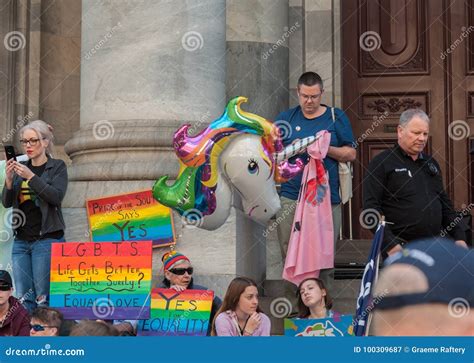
107 280
178 313
130 217
337 326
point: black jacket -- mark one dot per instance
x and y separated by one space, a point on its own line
50 188
411 196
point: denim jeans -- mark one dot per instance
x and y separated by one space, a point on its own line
31 271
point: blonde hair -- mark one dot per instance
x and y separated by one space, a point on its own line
43 130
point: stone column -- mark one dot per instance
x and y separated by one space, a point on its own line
322 52
147 67
257 68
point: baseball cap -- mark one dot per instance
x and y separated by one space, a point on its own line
5 278
448 268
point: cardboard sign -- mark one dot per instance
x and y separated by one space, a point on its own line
130 217
174 313
337 326
107 280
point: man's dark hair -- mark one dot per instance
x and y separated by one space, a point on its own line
310 79
48 316
93 328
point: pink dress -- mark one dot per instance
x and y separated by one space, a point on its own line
311 245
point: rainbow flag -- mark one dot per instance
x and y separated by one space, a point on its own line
178 313
130 217
107 280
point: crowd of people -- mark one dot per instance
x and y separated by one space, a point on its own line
402 184
239 314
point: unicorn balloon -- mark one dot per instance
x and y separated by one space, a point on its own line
239 152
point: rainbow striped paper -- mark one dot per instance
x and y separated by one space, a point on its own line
174 313
130 217
107 280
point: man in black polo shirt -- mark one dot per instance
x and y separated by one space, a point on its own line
405 185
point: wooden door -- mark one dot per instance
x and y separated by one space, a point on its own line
404 54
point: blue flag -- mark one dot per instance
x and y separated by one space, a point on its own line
364 301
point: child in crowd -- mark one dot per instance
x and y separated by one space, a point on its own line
14 319
314 301
45 322
240 314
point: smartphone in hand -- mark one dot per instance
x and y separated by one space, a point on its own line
10 152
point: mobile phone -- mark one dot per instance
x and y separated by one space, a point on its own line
10 152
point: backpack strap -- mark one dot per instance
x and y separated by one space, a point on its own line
333 114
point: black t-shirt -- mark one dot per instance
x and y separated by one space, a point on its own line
28 226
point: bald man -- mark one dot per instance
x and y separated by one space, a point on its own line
427 289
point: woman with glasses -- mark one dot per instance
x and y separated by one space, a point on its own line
179 276
240 314
314 301
35 189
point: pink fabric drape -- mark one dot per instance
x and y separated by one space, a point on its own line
311 245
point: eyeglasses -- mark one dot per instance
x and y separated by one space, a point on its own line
39 327
32 142
307 97
181 271
5 287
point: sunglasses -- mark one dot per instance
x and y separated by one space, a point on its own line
5 287
39 327
181 271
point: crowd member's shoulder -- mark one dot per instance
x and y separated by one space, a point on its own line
57 163
338 112
379 159
200 287
162 285
265 318
16 307
286 115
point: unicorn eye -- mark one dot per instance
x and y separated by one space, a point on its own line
253 166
